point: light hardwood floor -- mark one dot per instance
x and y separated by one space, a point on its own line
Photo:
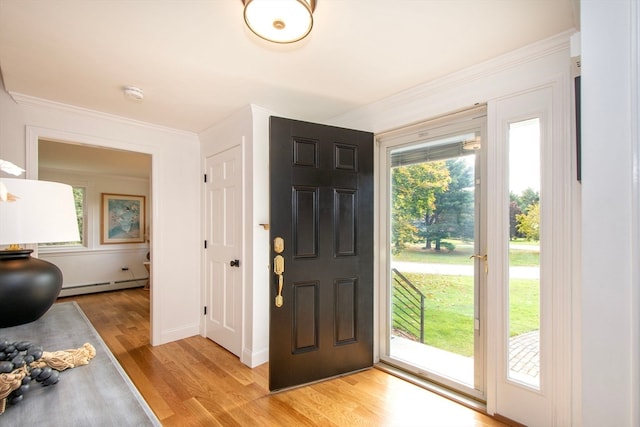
195 382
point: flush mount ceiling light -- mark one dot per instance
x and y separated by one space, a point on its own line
133 93
279 21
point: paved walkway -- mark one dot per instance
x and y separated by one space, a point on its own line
460 270
524 360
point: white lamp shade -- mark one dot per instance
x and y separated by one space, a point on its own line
279 21
43 212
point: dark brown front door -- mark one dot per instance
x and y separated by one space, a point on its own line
321 185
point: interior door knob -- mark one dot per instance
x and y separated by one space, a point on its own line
235 263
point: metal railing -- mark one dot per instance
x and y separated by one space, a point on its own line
407 307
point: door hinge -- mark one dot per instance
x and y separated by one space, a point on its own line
205 244
205 310
205 177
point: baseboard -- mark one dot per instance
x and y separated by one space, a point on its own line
253 359
101 287
508 421
178 334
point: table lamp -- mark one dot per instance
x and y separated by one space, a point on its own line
31 212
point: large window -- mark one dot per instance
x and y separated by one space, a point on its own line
79 198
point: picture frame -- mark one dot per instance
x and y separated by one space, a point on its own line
578 101
122 219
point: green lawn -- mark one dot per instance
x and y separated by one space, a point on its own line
449 299
449 310
462 252
524 312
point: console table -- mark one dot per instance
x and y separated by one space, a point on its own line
97 394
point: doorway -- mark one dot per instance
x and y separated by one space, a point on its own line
90 266
436 271
502 285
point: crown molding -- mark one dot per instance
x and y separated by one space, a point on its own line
483 70
32 101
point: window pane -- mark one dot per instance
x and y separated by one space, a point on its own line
524 252
433 288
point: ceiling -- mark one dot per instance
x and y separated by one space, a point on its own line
197 63
61 156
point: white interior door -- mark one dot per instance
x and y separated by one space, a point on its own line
223 264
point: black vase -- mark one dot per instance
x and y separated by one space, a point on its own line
28 287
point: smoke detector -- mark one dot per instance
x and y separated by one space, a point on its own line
133 93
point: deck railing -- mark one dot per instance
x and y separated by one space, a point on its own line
408 307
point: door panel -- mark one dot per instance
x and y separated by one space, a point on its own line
526 360
223 213
321 198
305 221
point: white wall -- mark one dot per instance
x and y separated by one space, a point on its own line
249 128
95 267
258 342
610 294
99 271
526 68
175 308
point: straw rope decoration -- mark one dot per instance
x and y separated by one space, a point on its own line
17 380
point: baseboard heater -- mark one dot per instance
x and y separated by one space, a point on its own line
102 287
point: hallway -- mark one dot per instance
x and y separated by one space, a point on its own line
195 382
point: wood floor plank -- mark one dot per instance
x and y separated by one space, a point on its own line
195 382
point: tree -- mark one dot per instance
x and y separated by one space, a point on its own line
520 205
514 211
414 190
528 198
453 214
529 222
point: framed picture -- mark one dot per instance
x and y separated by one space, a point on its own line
123 219
578 130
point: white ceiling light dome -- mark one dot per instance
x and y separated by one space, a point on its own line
279 21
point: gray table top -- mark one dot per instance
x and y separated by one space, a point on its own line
97 394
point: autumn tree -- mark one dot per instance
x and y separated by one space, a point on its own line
514 211
524 214
414 190
529 222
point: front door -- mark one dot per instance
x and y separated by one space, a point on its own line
321 196
223 231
